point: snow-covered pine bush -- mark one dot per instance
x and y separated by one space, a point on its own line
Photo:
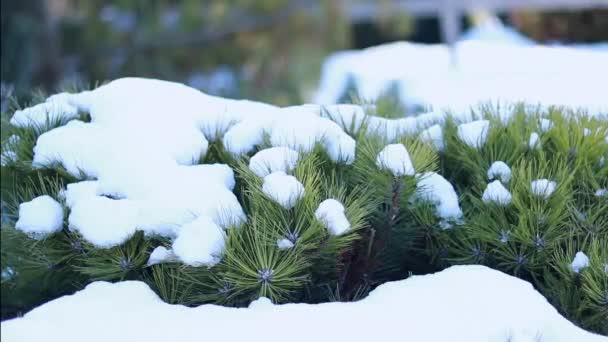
211 200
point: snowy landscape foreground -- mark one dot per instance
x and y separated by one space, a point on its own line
491 62
459 304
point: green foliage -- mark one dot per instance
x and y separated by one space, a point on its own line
393 233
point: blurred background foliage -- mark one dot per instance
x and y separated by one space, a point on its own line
269 50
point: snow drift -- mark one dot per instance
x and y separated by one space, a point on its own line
462 303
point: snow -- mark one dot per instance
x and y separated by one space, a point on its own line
466 74
601 192
40 217
331 213
433 187
534 141
581 260
470 303
273 159
51 111
500 170
543 187
285 244
142 144
495 192
474 133
433 135
545 125
103 221
395 158
80 190
200 243
282 188
159 255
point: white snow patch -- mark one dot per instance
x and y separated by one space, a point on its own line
285 244
78 191
160 255
261 303
54 109
586 132
331 213
200 243
474 133
580 261
284 189
433 135
543 187
40 217
273 159
534 141
471 303
500 170
545 125
103 221
496 193
530 73
433 187
395 158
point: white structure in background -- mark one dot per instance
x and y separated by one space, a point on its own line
493 63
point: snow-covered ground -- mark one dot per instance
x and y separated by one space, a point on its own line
460 304
490 63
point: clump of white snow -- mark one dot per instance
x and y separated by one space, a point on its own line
285 243
581 260
160 255
54 109
284 189
433 187
78 191
331 213
500 170
395 158
200 243
496 193
471 303
545 125
433 135
543 187
103 221
273 159
474 133
40 217
534 141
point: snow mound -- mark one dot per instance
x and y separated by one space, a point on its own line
395 158
200 243
331 213
139 181
466 74
273 159
159 255
496 193
474 133
433 135
40 217
500 170
432 187
284 189
534 141
543 187
469 303
581 260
